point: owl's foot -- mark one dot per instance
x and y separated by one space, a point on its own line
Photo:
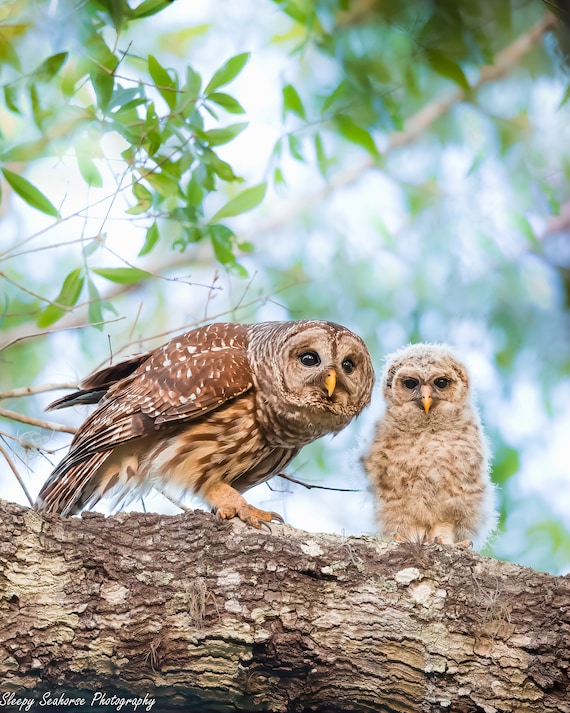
249 514
228 503
463 543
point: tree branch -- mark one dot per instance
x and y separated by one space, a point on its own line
31 421
206 616
16 474
40 389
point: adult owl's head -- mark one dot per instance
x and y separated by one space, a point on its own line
426 383
312 370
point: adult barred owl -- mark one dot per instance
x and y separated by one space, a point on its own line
214 411
428 464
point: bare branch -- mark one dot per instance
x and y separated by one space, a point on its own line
41 423
43 332
26 444
18 476
41 389
312 486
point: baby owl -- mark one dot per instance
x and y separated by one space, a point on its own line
428 464
214 411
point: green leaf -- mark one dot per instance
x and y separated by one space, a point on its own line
322 161
50 67
143 196
221 168
26 152
30 194
246 247
231 105
11 97
164 185
193 83
219 137
563 101
89 171
506 464
194 191
478 160
292 102
223 240
8 53
245 201
227 72
68 296
151 239
295 147
122 275
356 134
163 81
150 7
340 97
103 84
279 178
520 223
447 68
37 111
94 310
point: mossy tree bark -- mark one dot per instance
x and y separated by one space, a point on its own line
206 616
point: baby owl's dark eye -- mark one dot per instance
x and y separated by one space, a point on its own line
310 359
348 366
441 383
411 383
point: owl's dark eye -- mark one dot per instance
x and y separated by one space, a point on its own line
441 383
348 366
310 359
411 383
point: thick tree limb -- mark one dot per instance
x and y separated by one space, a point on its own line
205 617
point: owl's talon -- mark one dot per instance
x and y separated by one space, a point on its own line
228 503
468 544
399 538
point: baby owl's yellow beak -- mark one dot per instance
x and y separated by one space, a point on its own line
425 392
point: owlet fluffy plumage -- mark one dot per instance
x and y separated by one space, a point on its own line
428 464
215 411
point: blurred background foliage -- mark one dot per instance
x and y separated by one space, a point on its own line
399 166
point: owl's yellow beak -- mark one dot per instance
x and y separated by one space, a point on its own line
425 392
330 382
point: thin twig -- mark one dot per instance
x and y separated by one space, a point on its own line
18 476
312 486
43 332
30 390
26 445
41 423
196 323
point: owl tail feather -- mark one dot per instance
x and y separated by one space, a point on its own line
71 486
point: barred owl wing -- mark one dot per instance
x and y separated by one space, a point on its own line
179 382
